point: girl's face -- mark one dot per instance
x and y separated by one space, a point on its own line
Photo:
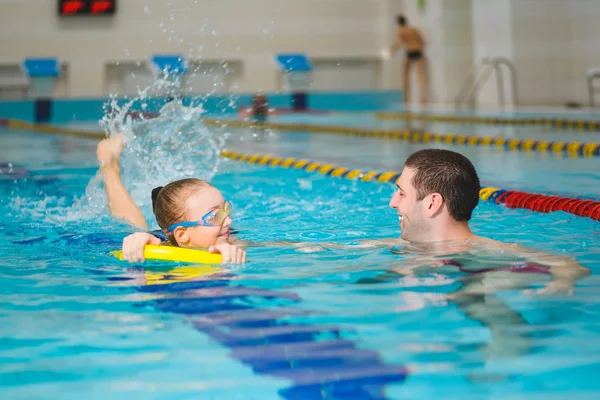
209 209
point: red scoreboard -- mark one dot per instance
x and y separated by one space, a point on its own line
86 7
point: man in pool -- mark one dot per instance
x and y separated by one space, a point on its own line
435 198
412 38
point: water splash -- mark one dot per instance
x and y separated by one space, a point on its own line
173 144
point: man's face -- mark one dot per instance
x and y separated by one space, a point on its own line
413 221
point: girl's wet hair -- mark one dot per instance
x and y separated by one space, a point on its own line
155 195
168 202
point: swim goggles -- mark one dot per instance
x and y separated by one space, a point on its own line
211 218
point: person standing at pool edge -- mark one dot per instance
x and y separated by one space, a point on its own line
412 38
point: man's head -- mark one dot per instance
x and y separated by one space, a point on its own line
401 19
437 188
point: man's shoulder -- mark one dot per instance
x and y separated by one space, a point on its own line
491 244
485 241
382 242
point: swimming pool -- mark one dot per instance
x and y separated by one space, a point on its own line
291 324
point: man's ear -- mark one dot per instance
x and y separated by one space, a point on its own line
434 204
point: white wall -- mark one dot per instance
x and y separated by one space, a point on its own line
492 27
250 31
551 42
345 74
457 45
543 51
585 45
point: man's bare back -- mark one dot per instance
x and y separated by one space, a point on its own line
412 38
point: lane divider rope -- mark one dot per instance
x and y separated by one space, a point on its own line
571 149
560 123
47 128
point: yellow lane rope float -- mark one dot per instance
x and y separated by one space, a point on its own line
550 122
571 149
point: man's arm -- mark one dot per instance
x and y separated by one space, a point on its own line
398 43
565 270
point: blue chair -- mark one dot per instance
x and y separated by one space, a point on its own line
171 64
296 68
42 73
293 62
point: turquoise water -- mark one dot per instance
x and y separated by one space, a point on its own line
292 323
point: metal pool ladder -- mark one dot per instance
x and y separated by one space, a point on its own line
479 73
591 75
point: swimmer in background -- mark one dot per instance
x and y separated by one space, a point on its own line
412 38
260 111
260 107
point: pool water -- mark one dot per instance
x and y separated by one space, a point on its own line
305 322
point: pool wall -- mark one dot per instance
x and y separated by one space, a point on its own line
68 110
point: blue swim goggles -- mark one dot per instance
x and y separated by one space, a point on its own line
211 218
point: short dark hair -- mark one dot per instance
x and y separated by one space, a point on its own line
450 174
401 20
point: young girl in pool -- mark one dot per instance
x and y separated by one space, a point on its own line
191 212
